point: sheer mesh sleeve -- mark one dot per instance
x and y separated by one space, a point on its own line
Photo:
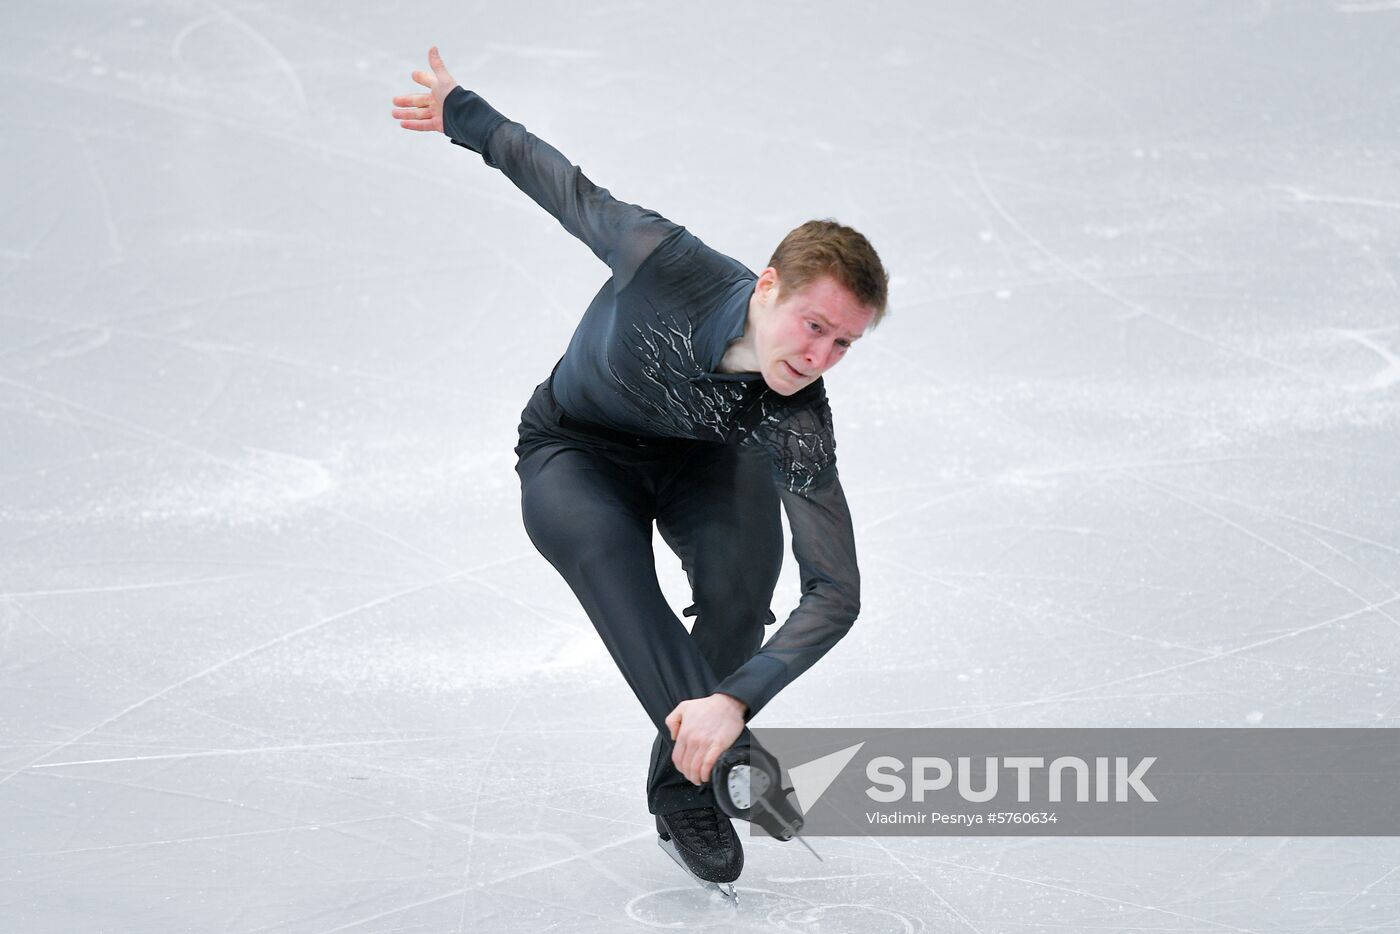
620 234
824 545
798 434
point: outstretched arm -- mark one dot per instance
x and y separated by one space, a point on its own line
618 233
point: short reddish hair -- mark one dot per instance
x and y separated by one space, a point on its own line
827 248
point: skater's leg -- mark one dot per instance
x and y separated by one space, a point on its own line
590 517
720 514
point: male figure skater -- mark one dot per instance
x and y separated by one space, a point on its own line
690 396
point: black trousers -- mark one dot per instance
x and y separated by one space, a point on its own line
589 498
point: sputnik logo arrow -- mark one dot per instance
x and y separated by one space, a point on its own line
810 780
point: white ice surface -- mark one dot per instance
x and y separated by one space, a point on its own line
276 653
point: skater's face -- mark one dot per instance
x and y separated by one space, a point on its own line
804 334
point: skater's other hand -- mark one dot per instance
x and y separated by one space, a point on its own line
702 730
424 111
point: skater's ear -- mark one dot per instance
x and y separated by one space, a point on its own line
768 285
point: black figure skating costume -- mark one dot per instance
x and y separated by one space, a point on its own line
635 426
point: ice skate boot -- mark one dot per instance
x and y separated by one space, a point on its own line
748 784
703 843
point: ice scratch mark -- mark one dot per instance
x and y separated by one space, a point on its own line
246 653
481 779
1154 641
1359 895
1391 374
1136 307
144 432
539 52
1348 559
118 254
1168 669
279 60
1307 197
1369 605
905 513
178 841
463 890
931 890
121 588
1373 6
211 347
801 880
258 750
102 337
320 478
482 193
1140 676
1085 893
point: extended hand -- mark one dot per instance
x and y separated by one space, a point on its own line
424 111
703 729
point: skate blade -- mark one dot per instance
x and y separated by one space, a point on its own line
724 888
